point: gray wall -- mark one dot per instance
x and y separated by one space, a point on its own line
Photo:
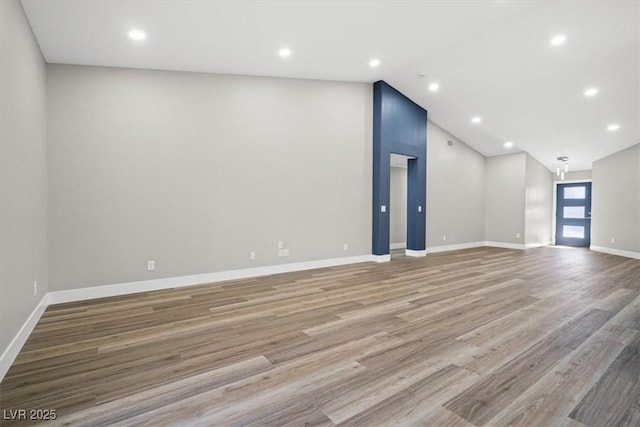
538 203
398 206
195 171
23 185
616 201
455 190
505 198
573 176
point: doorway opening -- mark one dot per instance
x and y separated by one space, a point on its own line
398 206
573 214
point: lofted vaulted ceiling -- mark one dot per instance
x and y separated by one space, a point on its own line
491 59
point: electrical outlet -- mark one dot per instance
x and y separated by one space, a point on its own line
517 235
345 246
252 255
151 265
280 244
35 287
613 240
285 252
280 252
444 237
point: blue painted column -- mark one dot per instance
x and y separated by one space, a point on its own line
399 126
416 204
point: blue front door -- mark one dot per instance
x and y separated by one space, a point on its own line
573 214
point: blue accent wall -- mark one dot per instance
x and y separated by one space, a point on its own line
399 126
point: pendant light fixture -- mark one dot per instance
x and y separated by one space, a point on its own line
563 167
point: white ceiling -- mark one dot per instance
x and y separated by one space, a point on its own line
491 58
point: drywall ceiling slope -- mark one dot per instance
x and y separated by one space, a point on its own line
491 58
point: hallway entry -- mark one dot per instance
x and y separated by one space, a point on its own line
398 205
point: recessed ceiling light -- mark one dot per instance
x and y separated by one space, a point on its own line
508 144
433 87
137 35
613 127
558 40
285 52
476 120
374 63
592 91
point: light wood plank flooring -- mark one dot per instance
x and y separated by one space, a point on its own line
484 336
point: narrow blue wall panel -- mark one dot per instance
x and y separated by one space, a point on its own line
399 126
416 203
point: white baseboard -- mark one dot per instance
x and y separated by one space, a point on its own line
398 245
537 245
103 291
72 295
471 245
505 245
457 247
619 252
414 253
519 246
10 354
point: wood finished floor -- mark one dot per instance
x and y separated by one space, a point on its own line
485 336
